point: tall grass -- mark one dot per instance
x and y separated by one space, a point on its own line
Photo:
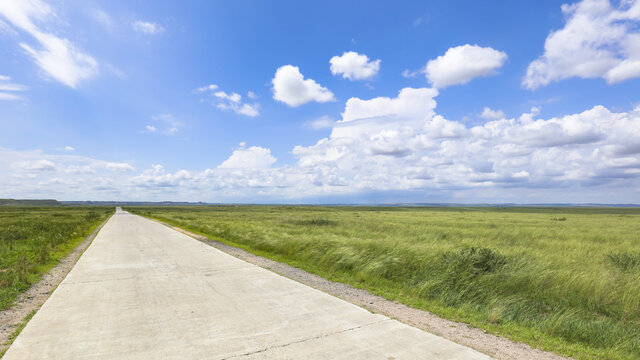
32 240
562 279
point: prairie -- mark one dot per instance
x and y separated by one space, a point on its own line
561 279
34 239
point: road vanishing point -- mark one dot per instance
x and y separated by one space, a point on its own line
145 291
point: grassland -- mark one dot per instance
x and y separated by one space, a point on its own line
33 239
561 279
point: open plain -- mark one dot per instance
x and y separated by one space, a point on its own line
145 291
560 279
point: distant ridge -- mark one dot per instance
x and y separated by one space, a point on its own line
34 202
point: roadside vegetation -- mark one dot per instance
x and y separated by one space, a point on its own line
34 239
561 279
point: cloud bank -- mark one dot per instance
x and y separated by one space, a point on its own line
381 144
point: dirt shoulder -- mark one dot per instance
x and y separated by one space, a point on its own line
495 346
32 299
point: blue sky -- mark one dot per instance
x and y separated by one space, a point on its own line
333 101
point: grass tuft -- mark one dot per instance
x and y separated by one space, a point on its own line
315 222
625 261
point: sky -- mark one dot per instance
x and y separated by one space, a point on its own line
321 102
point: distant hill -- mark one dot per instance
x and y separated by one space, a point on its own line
35 202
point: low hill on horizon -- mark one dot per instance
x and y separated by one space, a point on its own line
29 202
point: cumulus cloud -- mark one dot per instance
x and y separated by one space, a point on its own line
69 148
291 88
461 64
354 66
490 114
145 27
230 101
255 157
58 57
597 41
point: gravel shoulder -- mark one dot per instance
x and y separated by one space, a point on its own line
32 299
495 346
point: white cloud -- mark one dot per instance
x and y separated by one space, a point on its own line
421 20
489 114
9 97
322 122
461 64
406 73
166 124
354 66
291 88
113 166
5 85
207 87
251 95
69 148
248 110
147 27
233 97
254 157
9 90
58 57
231 101
597 41
35 165
7 30
103 18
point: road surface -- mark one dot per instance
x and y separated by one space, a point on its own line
145 291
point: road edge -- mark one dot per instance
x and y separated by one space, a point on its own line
496 346
15 318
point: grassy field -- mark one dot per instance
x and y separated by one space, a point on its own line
33 239
565 279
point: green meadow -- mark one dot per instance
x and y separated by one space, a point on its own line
560 279
34 239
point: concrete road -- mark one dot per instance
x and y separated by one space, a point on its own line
144 291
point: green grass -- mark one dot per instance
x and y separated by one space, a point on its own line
561 279
34 239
